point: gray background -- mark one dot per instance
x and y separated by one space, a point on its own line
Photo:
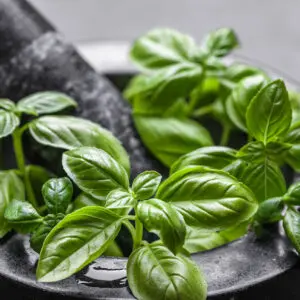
269 30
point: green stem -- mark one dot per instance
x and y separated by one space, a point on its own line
19 154
131 229
225 135
202 111
139 232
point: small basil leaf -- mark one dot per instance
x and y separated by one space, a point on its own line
22 216
11 187
146 184
162 48
277 151
293 155
208 198
94 171
253 152
270 211
294 97
292 197
120 201
69 132
240 97
39 235
57 194
77 240
45 102
83 200
269 113
264 179
220 42
154 272
170 138
216 157
7 104
198 241
161 218
8 123
291 224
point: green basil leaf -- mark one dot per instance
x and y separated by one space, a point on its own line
57 194
216 157
120 201
7 104
293 155
270 211
269 113
161 218
77 240
154 272
162 48
292 197
208 198
22 216
264 179
11 187
170 138
146 184
39 235
8 123
45 102
94 171
240 97
291 224
197 240
294 97
220 42
69 132
83 200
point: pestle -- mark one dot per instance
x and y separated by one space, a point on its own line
34 57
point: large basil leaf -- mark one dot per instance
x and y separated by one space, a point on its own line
291 224
146 184
11 187
293 155
197 240
154 272
7 104
208 198
161 48
8 123
45 102
77 240
213 157
94 171
69 132
220 42
161 218
264 179
57 194
120 201
170 138
240 97
269 113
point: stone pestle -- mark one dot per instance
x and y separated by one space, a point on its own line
34 57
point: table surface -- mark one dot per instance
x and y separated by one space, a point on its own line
268 29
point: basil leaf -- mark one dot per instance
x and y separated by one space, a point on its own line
269 113
162 48
292 197
57 194
216 157
8 123
240 97
197 240
77 240
161 218
270 211
69 132
220 42
94 171
208 198
170 138
45 102
22 216
83 200
7 104
294 97
11 187
120 201
146 184
293 155
291 224
154 272
264 179
39 235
